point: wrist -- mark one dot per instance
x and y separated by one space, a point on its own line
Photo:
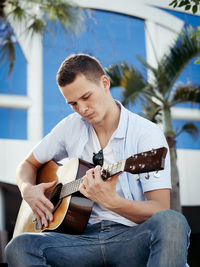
114 203
25 187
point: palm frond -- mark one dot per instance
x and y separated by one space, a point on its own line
147 65
16 11
185 49
173 62
130 79
151 111
37 16
116 73
37 26
159 79
7 52
133 85
186 93
191 129
63 12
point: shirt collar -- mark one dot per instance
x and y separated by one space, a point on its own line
121 129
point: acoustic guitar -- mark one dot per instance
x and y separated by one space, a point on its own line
71 209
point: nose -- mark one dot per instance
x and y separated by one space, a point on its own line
83 109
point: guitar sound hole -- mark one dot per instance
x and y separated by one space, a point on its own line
55 195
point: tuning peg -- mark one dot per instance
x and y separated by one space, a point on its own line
147 176
156 174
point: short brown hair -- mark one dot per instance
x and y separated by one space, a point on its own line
79 64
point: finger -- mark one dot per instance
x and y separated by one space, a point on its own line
39 216
48 212
38 220
43 218
84 181
90 178
97 172
46 206
82 190
47 203
90 173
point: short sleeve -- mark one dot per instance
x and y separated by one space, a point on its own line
52 146
153 180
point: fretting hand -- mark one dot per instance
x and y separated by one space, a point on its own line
94 188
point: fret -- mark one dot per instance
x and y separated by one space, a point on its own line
70 188
113 169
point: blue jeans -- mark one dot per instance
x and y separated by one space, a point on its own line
161 241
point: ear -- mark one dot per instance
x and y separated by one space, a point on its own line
106 82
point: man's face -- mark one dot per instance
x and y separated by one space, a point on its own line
89 99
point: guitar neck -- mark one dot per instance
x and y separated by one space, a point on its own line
106 173
148 161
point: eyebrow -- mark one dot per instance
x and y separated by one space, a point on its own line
79 98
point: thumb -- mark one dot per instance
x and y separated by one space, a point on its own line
49 185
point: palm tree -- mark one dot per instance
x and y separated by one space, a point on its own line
37 16
161 94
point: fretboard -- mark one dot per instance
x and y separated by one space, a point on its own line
106 173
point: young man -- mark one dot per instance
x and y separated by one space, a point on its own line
130 224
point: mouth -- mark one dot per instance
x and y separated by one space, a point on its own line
88 117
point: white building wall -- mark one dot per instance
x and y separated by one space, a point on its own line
188 165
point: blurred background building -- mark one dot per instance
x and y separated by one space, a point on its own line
112 31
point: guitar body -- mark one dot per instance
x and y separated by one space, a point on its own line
71 214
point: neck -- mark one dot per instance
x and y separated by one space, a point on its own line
109 124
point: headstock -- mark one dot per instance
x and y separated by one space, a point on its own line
152 160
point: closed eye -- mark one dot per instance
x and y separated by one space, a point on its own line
86 97
73 104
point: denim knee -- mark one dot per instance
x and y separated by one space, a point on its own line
170 218
14 248
172 224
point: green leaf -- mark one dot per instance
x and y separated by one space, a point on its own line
182 3
173 2
194 9
187 7
197 61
